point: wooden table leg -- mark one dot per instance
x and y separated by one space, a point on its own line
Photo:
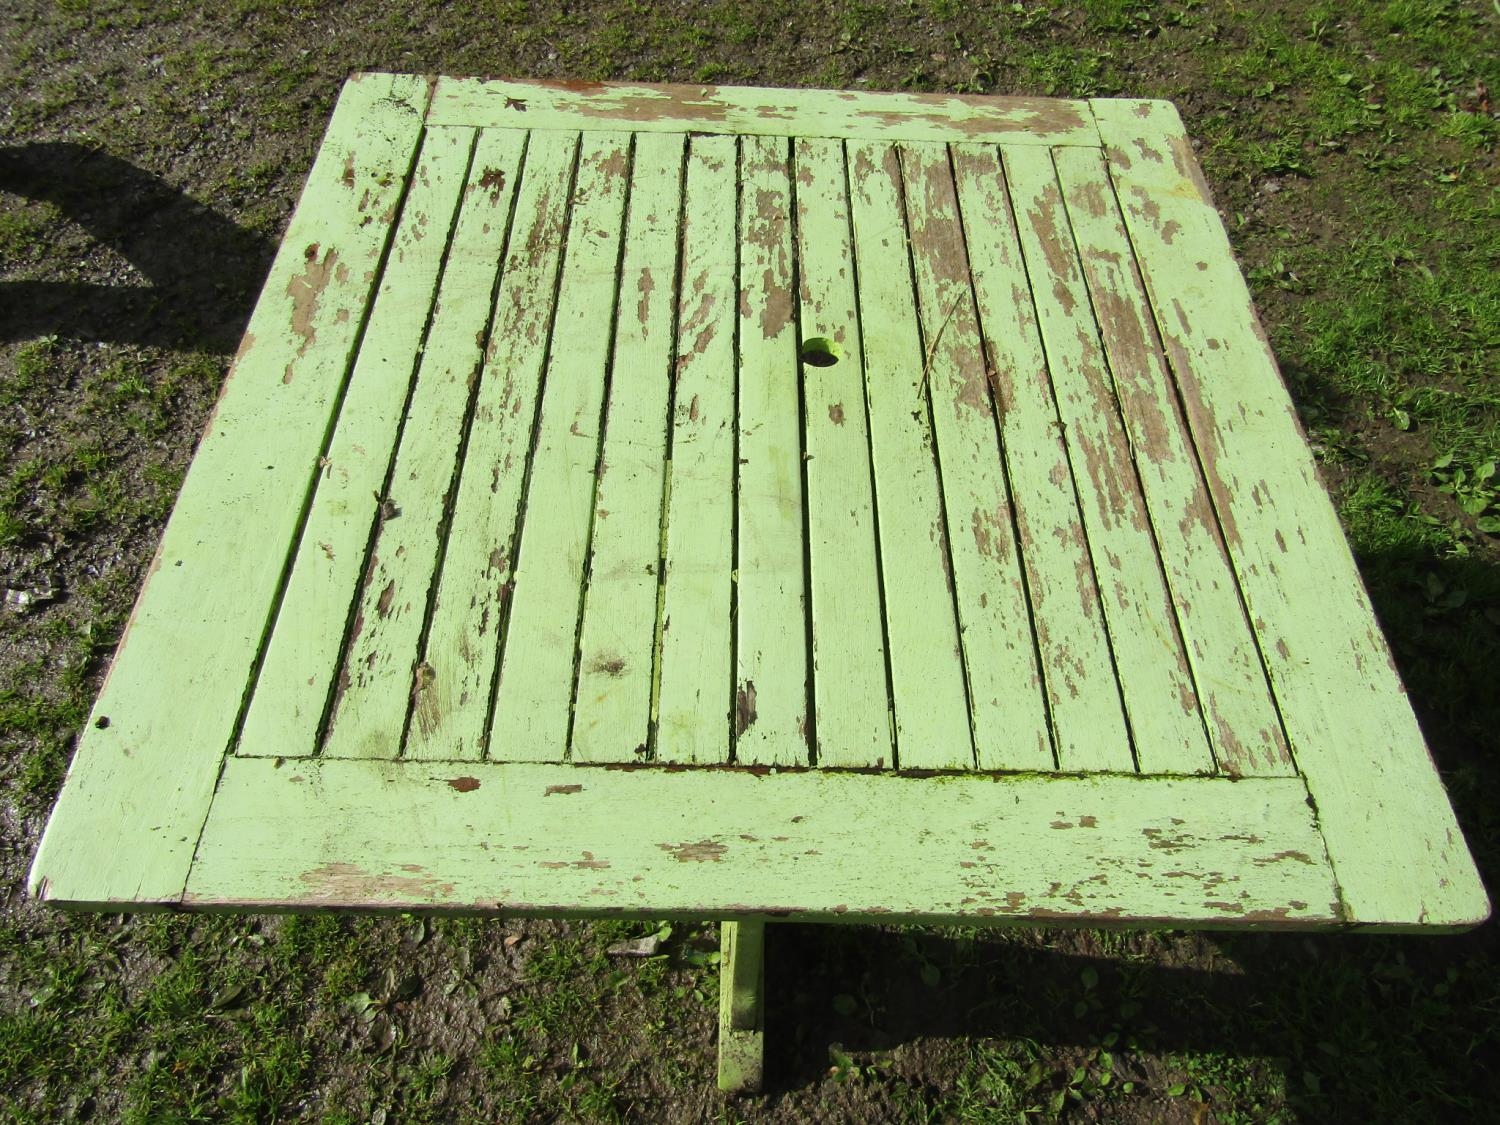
741 1006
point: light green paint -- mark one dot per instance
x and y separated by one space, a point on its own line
742 1025
927 672
1078 675
1161 704
771 696
852 720
126 823
463 643
568 840
1399 855
612 711
444 829
1009 713
1243 725
384 678
697 674
534 698
301 663
749 110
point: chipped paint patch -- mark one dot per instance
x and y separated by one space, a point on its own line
744 708
350 884
701 851
493 181
306 291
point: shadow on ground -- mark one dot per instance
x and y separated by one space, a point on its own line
202 268
1305 1005
1292 1004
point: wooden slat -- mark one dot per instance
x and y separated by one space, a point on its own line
463 642
1010 715
1083 698
771 688
128 818
696 673
748 110
382 672
533 703
296 677
612 712
550 840
1161 703
927 674
1243 725
1397 851
852 704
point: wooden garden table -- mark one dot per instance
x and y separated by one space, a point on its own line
662 501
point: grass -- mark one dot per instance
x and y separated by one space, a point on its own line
1354 154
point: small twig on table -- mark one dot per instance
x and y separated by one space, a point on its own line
932 347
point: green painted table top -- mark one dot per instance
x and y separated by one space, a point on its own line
735 502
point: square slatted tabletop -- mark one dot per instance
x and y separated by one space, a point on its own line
757 504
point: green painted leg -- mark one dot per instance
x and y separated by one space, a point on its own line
741 1005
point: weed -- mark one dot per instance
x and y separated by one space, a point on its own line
1475 489
1069 72
1241 1091
998 1082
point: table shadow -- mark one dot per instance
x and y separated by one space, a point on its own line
1366 1015
203 269
1274 1001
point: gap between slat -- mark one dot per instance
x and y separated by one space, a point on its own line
502 627
864 396
1107 367
1062 432
673 355
810 723
1153 327
337 681
731 734
599 430
928 348
310 493
445 527
997 411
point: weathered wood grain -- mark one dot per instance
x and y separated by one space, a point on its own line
612 711
292 690
999 650
463 641
697 672
1078 674
771 638
1396 848
383 677
929 695
126 823
534 699
1161 704
568 840
1243 725
748 110
852 718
